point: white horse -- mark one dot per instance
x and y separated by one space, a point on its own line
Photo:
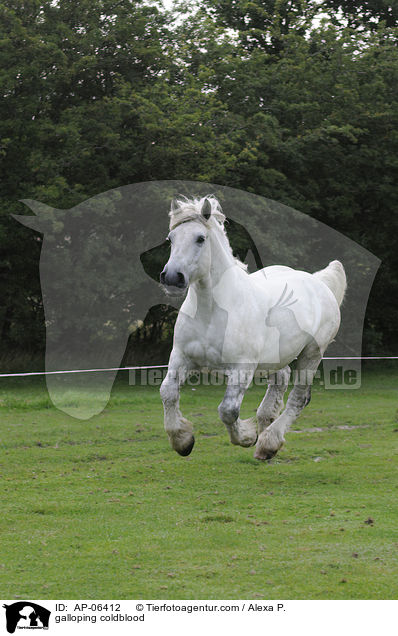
236 322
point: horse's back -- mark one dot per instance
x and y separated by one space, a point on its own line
271 272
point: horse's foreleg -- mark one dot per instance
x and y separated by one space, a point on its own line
241 432
179 429
273 437
272 403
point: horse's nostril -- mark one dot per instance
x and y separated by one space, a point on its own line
172 278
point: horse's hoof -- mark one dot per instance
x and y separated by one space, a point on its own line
246 443
251 442
245 433
184 452
265 456
268 445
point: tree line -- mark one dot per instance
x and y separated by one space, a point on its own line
294 101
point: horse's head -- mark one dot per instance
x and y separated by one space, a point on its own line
190 254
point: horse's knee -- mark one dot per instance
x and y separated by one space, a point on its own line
228 413
169 391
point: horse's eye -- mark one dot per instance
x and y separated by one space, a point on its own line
200 239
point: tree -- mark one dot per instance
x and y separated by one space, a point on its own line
74 77
369 13
321 120
264 23
254 95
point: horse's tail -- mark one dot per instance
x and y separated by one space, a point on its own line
334 277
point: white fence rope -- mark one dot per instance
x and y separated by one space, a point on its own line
164 366
11 375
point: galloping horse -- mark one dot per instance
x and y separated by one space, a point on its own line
235 322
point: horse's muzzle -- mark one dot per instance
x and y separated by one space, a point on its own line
173 279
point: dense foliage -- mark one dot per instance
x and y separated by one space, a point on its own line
295 101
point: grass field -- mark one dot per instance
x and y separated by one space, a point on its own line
103 509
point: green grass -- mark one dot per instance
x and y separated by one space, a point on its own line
104 509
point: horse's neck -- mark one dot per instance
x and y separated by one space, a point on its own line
221 257
221 260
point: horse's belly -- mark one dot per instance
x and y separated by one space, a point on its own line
280 351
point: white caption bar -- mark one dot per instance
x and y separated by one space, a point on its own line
146 618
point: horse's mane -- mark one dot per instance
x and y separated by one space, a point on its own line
184 209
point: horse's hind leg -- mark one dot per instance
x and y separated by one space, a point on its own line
272 403
272 438
241 432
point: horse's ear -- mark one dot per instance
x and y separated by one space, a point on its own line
31 222
39 208
206 209
43 213
173 205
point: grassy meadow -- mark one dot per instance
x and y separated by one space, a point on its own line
105 509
